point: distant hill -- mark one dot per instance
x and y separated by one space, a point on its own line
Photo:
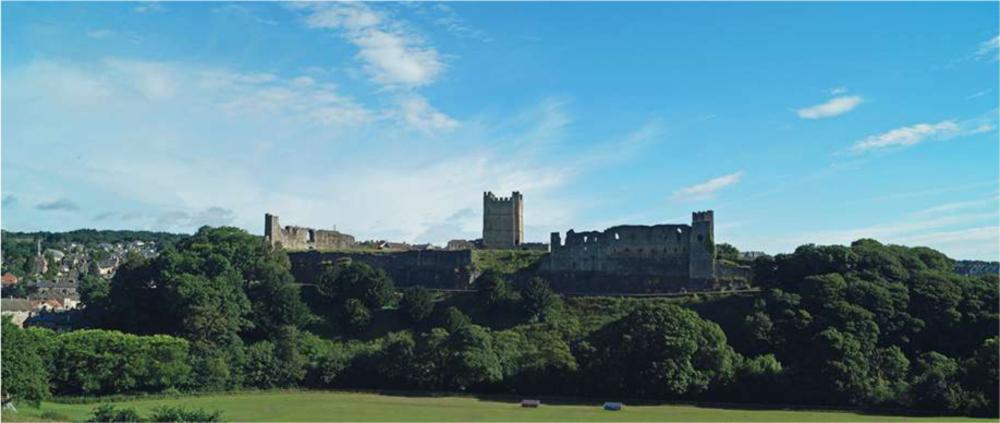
976 267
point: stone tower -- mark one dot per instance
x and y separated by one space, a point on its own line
701 248
503 220
272 229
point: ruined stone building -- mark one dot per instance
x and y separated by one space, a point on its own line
673 251
503 220
299 238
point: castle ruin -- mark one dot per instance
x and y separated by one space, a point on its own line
676 251
503 221
299 238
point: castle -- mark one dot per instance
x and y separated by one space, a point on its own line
625 258
674 251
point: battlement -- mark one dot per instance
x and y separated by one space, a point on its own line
702 216
488 196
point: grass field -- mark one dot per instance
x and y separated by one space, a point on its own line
352 406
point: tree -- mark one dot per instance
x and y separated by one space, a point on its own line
491 289
936 386
451 319
540 302
472 360
417 304
94 292
356 315
25 375
659 351
725 251
356 280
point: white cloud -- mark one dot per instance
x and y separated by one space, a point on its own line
100 33
154 80
707 189
989 49
418 114
392 55
149 7
911 135
838 90
978 94
834 107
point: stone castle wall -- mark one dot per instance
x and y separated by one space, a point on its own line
430 268
299 238
672 251
503 220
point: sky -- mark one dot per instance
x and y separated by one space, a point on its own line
796 123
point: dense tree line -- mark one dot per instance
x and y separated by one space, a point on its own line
866 325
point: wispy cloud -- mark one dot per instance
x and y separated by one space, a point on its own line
244 12
978 94
392 55
707 189
838 90
100 33
420 115
989 49
914 134
61 204
834 107
149 7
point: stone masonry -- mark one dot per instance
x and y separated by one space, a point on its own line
670 250
503 221
299 238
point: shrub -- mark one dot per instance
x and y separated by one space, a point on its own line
110 413
181 414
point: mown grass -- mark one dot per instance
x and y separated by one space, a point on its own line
355 406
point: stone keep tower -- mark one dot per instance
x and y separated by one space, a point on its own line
701 248
503 220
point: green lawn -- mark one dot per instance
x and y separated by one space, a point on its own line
351 406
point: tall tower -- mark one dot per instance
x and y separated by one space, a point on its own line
503 220
272 229
701 248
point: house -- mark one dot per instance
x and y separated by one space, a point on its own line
47 305
19 309
8 279
55 289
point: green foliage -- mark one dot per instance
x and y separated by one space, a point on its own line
492 289
725 251
417 304
98 362
506 262
110 413
661 351
348 280
356 316
25 375
183 414
539 301
453 319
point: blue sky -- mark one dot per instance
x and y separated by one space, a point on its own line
796 123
